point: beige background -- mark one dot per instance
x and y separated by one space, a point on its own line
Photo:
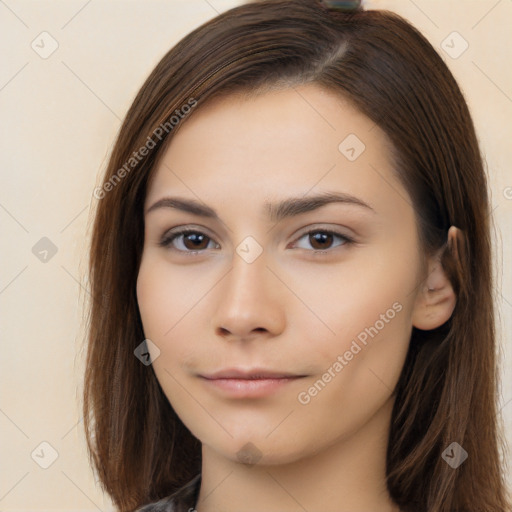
60 115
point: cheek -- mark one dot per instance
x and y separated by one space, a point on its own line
166 296
360 358
173 308
152 301
362 312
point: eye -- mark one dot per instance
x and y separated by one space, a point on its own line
322 239
190 241
187 240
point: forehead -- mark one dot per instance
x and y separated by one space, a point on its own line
280 143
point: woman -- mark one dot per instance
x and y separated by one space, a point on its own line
343 358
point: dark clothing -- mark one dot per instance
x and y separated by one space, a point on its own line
183 500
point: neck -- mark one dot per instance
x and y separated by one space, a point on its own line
347 476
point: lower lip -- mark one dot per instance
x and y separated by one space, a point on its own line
249 388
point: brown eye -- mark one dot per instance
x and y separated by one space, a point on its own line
186 241
320 240
323 239
195 241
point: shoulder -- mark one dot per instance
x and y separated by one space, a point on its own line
183 500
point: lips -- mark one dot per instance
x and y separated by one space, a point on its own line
252 374
248 383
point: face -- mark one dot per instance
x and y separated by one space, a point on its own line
312 300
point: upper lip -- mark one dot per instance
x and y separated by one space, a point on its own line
254 373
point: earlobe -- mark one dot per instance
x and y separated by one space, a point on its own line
436 298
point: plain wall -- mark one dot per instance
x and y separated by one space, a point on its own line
60 115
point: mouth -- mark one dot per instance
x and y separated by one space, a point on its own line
252 383
249 374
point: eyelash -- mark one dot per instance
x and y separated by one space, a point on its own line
168 238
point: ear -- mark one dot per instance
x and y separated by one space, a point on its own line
436 299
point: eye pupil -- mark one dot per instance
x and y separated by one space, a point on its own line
321 237
196 239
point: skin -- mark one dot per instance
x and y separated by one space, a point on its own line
290 309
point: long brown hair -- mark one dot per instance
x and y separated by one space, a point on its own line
447 391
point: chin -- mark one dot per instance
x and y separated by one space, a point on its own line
257 450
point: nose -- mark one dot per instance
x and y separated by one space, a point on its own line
250 302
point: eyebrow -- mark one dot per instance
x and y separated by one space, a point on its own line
275 211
